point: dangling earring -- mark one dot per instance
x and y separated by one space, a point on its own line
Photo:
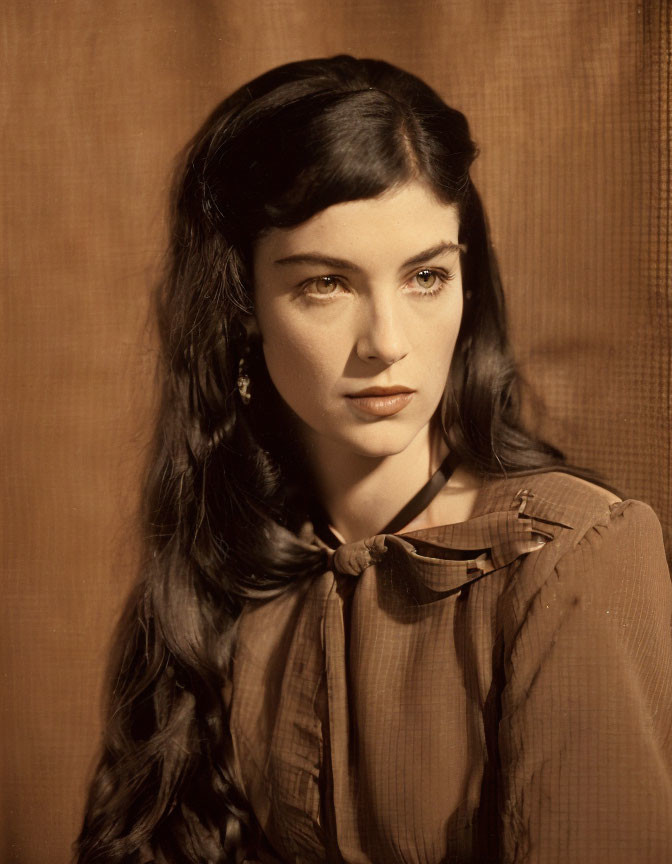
243 382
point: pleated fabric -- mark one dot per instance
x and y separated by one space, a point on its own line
497 690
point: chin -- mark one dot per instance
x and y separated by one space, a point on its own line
375 445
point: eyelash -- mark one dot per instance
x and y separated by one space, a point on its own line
443 277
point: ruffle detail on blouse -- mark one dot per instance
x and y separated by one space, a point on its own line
447 557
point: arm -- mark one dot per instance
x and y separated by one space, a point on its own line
585 734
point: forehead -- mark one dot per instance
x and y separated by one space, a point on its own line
394 225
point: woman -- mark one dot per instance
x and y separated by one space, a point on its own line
377 620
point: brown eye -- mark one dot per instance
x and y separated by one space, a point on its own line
426 278
325 284
322 286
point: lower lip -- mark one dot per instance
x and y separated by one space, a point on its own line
382 406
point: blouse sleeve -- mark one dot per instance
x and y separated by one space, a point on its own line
585 735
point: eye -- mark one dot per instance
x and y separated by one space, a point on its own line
430 281
427 278
322 286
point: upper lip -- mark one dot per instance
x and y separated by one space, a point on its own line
382 391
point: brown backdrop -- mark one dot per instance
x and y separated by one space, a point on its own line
569 102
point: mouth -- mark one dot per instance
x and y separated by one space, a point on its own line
393 390
381 401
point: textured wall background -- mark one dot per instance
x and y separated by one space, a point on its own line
569 102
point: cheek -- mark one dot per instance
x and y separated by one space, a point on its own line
298 360
436 345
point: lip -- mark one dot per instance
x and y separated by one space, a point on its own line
382 401
381 391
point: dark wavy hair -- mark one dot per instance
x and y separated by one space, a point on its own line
225 508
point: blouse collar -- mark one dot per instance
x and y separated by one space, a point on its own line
508 520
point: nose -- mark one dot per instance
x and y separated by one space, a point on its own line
382 334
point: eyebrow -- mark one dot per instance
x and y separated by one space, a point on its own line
342 264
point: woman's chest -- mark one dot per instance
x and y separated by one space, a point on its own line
375 741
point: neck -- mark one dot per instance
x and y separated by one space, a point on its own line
361 494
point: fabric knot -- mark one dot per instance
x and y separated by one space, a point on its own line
351 559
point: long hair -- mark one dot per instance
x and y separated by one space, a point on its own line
224 508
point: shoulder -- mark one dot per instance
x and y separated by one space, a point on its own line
605 553
561 498
583 506
561 493
539 517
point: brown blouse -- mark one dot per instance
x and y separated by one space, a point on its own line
498 690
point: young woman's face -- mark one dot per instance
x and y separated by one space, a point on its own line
365 294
